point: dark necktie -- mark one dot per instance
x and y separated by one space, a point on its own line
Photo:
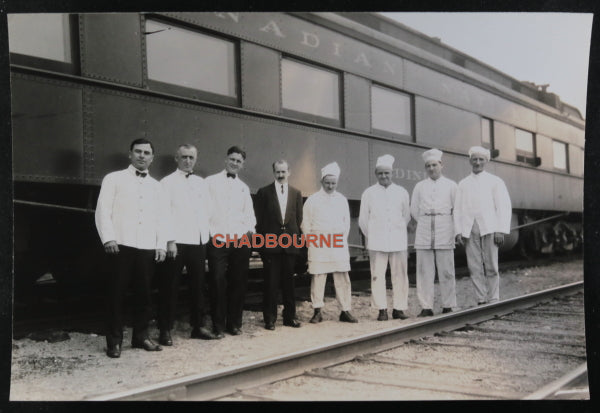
142 174
282 188
230 175
188 174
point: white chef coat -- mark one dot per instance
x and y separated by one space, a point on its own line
189 203
325 213
232 211
133 211
482 197
431 205
384 215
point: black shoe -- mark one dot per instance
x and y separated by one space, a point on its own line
146 344
426 312
292 323
114 351
446 310
481 303
270 326
234 331
346 317
317 317
383 315
219 335
164 338
203 333
399 314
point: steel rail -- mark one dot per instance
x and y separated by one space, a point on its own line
551 388
209 386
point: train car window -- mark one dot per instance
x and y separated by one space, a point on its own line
487 133
559 151
202 66
310 92
525 146
43 40
391 111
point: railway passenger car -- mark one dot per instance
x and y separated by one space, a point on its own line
309 87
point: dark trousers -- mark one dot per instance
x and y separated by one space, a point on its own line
228 279
278 270
192 257
135 266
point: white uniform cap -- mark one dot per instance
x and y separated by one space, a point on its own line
479 151
432 155
385 160
330 169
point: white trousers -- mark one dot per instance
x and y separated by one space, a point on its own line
482 260
343 289
398 268
427 261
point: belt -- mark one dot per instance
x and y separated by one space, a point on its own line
436 213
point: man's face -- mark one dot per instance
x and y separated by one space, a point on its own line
281 173
234 163
434 169
384 175
329 183
477 163
186 159
141 156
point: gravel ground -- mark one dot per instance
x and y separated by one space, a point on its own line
78 368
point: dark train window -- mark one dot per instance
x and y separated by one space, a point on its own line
487 133
391 111
44 40
190 63
560 155
310 92
525 145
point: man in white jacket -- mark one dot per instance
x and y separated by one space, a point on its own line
482 213
132 219
190 208
431 206
383 218
326 214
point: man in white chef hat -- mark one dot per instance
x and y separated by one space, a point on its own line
327 212
383 218
482 212
431 205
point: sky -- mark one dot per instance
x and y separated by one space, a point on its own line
543 48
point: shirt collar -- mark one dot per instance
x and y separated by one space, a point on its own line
224 173
132 169
183 173
278 185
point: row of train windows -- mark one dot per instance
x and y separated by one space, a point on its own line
177 56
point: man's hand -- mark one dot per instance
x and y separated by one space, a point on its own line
111 247
498 238
171 249
159 255
459 240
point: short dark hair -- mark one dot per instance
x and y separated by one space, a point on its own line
281 162
141 141
236 149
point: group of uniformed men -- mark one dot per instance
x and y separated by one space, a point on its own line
142 222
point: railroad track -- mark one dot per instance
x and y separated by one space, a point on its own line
526 347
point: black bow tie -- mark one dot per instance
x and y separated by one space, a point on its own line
187 175
230 175
142 174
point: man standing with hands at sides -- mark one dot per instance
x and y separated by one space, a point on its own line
189 203
383 218
482 213
232 216
132 219
431 206
327 212
279 211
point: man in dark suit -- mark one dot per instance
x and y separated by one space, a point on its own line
279 211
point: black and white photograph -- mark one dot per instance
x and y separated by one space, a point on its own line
299 206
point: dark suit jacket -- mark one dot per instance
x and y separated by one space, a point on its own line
268 215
